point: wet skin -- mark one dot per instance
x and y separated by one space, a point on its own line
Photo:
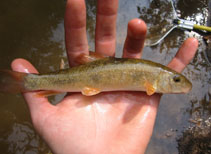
111 122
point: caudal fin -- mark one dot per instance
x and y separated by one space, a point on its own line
11 81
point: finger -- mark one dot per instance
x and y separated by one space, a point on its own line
105 34
134 42
75 29
36 104
184 55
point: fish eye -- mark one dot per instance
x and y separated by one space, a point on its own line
176 78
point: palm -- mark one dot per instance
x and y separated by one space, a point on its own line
112 122
101 119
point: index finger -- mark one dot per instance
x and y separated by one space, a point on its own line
105 34
184 55
75 29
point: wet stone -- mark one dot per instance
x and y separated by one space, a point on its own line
196 139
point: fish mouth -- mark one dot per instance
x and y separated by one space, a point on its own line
187 88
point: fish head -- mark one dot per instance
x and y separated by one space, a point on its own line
173 83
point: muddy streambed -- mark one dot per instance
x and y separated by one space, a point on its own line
34 29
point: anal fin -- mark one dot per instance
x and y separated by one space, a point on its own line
47 93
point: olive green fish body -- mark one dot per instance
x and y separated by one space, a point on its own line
111 74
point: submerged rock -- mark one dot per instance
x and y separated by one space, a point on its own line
196 139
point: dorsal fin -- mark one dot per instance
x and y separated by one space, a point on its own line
62 64
83 58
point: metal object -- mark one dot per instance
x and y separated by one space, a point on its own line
181 24
158 41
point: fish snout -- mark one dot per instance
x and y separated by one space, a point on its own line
187 87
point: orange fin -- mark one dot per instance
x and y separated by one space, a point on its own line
62 64
11 81
87 91
47 93
83 58
96 56
150 90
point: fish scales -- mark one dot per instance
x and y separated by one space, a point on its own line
106 74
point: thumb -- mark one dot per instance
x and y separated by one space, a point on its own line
38 106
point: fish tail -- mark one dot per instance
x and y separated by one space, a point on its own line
11 81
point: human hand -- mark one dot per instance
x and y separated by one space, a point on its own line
111 122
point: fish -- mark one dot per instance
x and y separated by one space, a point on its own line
100 75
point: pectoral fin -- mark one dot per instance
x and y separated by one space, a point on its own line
87 91
83 58
150 90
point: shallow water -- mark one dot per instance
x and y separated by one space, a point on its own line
34 29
